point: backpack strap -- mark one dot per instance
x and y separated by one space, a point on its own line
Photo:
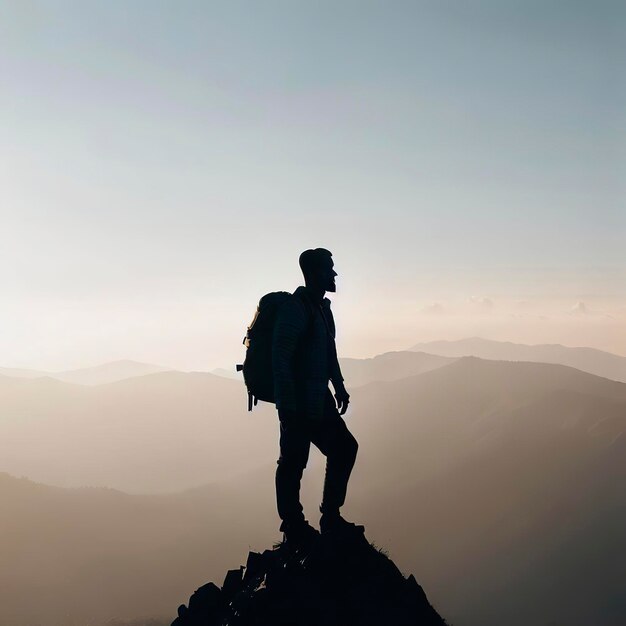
252 399
308 305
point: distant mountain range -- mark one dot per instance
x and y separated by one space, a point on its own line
228 373
97 375
158 432
589 360
388 366
488 479
87 556
512 471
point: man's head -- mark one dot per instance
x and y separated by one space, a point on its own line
317 267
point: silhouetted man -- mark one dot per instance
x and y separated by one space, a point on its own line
304 360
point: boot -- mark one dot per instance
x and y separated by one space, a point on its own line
298 534
333 523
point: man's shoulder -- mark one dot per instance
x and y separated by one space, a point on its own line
303 297
294 308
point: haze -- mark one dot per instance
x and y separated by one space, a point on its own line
511 470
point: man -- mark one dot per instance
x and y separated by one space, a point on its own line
304 360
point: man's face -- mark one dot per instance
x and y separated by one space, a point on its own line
327 275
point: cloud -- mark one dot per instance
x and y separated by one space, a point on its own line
433 309
481 304
581 309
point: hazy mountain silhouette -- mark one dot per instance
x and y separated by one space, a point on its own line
157 432
389 366
86 556
334 582
97 375
589 360
488 479
160 432
108 372
227 373
505 470
16 372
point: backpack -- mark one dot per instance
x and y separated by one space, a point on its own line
258 373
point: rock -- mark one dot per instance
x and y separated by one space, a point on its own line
233 582
254 566
204 606
334 582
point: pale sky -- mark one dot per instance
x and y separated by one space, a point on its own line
162 165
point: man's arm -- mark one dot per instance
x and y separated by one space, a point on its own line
341 395
336 376
290 326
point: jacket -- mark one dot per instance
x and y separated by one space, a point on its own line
304 354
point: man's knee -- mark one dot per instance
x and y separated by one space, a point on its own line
291 464
352 448
347 450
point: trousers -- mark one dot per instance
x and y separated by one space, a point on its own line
332 437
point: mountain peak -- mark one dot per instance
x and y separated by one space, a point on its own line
335 582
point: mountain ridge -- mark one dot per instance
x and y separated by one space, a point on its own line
109 371
592 360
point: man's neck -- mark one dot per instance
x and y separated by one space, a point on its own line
316 293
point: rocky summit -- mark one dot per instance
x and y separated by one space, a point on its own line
336 581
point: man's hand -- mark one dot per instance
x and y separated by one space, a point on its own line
342 397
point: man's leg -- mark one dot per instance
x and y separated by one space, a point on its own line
294 454
336 442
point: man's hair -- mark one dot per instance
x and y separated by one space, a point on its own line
310 260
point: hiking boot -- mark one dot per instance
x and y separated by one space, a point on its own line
299 534
335 524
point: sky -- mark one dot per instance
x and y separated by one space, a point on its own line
163 164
